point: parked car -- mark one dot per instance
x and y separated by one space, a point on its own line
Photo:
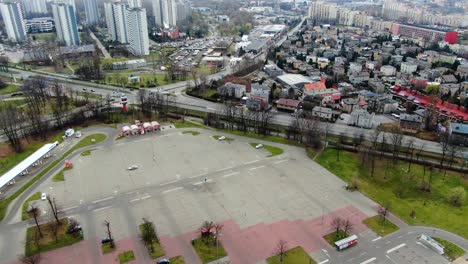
133 167
105 241
163 261
222 138
43 196
259 146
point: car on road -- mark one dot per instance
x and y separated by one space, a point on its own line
92 90
133 167
84 89
43 196
163 261
259 146
222 138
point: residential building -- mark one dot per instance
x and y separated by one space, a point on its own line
410 123
358 77
232 90
67 2
427 34
184 10
408 68
65 24
91 12
34 7
388 70
323 113
165 13
77 52
254 104
272 70
361 118
15 25
349 105
287 104
116 20
137 31
261 92
40 25
459 132
134 3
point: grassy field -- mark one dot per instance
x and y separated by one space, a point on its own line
87 141
106 248
126 256
273 150
24 211
271 138
207 251
11 88
452 252
177 260
194 133
188 124
12 103
158 79
380 227
48 241
59 177
295 255
393 184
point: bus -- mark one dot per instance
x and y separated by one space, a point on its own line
346 242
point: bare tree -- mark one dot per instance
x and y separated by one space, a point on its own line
34 212
348 227
384 210
10 124
53 207
280 250
444 145
109 234
453 152
336 224
148 234
396 138
33 259
410 152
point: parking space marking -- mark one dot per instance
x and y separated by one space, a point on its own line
259 167
104 199
227 168
421 244
325 261
167 183
70 208
198 183
145 197
377 238
250 162
135 200
368 261
396 248
280 161
230 174
103 208
196 176
172 190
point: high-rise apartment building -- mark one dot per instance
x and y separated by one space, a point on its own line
14 22
165 13
35 7
65 24
116 19
91 11
134 3
68 2
137 31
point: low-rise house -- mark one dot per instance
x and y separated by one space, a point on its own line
272 70
361 118
261 92
358 77
232 90
254 104
410 123
289 105
459 132
388 70
449 78
129 64
377 85
408 68
323 113
349 105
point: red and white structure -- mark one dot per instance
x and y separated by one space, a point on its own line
346 242
140 128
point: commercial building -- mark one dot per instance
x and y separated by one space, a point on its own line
116 21
425 33
137 31
130 64
14 21
35 7
40 25
65 24
91 11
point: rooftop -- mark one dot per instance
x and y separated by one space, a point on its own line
293 79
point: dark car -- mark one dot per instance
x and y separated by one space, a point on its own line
163 261
105 241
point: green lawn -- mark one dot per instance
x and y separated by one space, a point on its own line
158 79
11 88
59 177
158 250
87 152
393 184
273 150
333 237
194 133
106 248
16 102
48 242
228 139
380 227
83 143
49 37
271 138
188 124
126 256
24 211
295 255
452 252
207 250
177 260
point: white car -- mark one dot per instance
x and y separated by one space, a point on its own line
222 138
133 167
43 196
259 146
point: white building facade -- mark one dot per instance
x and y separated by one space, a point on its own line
137 33
13 19
65 24
91 11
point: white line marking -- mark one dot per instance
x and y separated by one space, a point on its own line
69 208
230 174
395 248
368 261
421 244
145 197
280 161
167 183
250 162
132 192
198 183
375 239
323 262
259 167
400 236
227 168
101 200
172 190
135 200
103 208
196 176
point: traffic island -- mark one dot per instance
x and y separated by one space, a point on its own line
126 256
220 138
273 150
194 133
295 255
177 260
151 240
452 252
380 226
107 248
53 236
335 236
24 212
208 248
